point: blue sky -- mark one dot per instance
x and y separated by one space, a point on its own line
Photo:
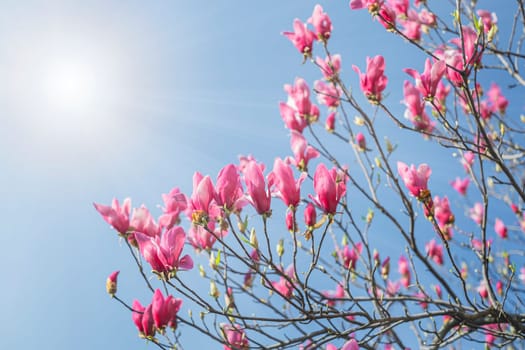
166 89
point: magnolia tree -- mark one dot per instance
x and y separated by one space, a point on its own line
343 244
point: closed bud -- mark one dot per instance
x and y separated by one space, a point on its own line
253 239
359 121
111 283
369 216
378 162
214 291
280 248
202 272
212 261
242 224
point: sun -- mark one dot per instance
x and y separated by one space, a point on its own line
69 85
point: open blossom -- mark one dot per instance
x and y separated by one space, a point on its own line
115 215
349 256
285 285
442 211
321 23
415 179
468 46
164 310
371 5
500 228
412 27
228 189
202 238
285 186
415 111
440 98
330 66
200 205
329 187
301 37
299 96
175 203
143 222
143 319
327 94
332 297
302 151
476 213
235 337
435 251
496 99
373 81
461 185
292 119
489 19
259 193
468 160
164 253
427 82
404 270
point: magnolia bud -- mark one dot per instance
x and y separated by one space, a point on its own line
253 239
111 283
280 248
214 291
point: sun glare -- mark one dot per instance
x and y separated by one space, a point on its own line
70 86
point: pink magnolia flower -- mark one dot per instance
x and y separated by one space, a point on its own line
175 203
404 270
489 19
301 37
291 224
439 293
164 253
349 256
143 319
143 222
476 213
333 297
428 81
235 337
499 287
427 18
285 285
374 81
440 99
285 186
259 194
468 160
482 290
115 215
412 28
200 207
350 345
245 160
164 310
497 100
329 187
327 94
422 296
415 179
435 251
387 17
415 111
310 216
202 238
302 151
371 5
468 46
228 189
321 22
500 228
330 66
330 122
400 7
299 96
392 288
442 211
111 283
461 185
292 119
360 141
